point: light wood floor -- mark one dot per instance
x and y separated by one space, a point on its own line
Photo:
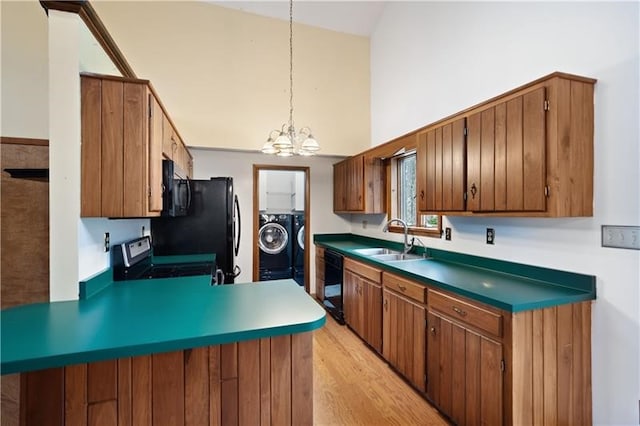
353 386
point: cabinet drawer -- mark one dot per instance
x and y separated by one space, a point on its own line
475 316
413 290
369 272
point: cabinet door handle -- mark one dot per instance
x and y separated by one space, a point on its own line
386 304
433 330
402 288
474 190
459 311
422 194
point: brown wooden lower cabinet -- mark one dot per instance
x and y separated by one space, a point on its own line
483 365
464 373
362 301
487 366
404 327
266 381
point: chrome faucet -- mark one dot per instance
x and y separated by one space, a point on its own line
407 246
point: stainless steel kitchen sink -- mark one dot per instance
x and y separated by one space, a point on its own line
375 251
396 257
386 255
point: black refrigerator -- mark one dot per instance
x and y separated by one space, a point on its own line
212 225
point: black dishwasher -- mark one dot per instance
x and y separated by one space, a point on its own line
333 285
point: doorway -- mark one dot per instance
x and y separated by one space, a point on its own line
281 223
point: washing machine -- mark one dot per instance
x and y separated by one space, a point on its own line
298 248
275 241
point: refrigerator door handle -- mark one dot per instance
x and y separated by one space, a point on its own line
237 226
188 194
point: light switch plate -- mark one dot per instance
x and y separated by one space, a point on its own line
627 237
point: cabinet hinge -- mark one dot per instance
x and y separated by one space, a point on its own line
464 196
546 105
546 191
502 366
465 131
149 191
150 109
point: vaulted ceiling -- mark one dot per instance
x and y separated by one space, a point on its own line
352 17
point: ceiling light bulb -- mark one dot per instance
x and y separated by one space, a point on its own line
285 153
310 144
268 147
283 141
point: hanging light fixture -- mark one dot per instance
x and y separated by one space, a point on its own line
287 141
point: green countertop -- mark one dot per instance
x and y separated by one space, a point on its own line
129 318
509 286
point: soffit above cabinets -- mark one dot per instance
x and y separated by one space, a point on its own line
93 58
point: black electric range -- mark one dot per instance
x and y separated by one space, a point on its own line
133 260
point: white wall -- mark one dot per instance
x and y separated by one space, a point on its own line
25 83
64 154
239 165
454 55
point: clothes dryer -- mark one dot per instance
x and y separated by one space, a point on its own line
298 248
276 245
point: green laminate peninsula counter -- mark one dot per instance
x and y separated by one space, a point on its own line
487 341
167 351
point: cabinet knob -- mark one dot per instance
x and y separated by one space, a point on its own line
474 190
386 304
433 330
422 194
459 311
401 287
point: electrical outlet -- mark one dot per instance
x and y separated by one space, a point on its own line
106 242
627 237
491 235
447 234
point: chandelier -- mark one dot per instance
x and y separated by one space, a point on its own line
287 141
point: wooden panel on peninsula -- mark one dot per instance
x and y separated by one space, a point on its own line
264 381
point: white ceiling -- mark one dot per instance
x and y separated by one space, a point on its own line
352 17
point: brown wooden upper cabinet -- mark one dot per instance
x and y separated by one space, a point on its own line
506 159
440 167
358 185
121 154
173 148
528 152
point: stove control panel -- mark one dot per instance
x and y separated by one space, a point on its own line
136 250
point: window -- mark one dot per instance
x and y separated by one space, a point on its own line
404 202
407 189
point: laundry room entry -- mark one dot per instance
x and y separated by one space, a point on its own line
281 200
